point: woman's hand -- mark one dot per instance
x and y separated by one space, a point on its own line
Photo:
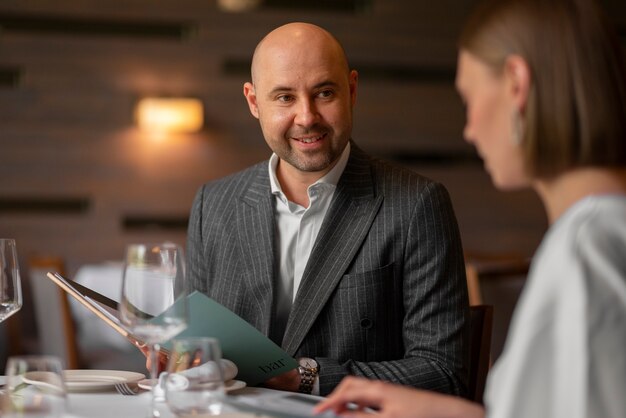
356 397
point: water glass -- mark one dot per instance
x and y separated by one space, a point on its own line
10 288
153 305
34 388
194 384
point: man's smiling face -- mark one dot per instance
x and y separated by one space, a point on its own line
302 94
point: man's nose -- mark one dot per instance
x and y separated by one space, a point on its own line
306 113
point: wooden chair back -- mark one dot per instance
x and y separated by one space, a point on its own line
497 280
481 318
55 324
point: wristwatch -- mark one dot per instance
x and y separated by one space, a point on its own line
308 369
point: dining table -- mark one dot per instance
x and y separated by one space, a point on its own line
248 402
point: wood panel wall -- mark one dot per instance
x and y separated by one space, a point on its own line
78 180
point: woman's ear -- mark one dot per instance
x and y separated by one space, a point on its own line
517 73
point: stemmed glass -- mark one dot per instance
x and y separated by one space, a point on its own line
153 305
10 287
35 388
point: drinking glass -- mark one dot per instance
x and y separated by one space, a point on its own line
194 384
10 288
153 305
34 388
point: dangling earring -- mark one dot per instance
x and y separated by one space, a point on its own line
517 127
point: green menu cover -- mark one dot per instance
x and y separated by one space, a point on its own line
257 357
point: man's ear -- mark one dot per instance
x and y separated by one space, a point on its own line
249 92
517 73
353 82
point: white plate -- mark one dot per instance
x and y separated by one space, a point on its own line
97 380
228 386
234 385
45 381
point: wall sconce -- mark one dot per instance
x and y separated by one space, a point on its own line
238 6
170 114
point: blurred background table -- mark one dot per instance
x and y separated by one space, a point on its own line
99 345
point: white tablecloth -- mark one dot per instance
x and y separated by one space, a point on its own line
258 401
253 402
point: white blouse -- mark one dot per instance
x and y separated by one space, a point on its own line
565 355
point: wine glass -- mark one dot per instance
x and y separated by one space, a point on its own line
10 288
153 305
194 384
35 388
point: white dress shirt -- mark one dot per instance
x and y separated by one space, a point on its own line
565 354
297 229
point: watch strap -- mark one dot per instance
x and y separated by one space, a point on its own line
307 379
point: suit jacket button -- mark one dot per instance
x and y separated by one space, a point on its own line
366 323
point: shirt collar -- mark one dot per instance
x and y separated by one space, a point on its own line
330 178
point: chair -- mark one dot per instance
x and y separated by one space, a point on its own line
52 311
10 338
496 280
481 317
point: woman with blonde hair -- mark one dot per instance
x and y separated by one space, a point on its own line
544 82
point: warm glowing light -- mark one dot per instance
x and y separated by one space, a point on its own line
170 115
238 5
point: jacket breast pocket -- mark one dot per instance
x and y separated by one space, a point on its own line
366 279
369 293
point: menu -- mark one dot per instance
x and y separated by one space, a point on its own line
257 357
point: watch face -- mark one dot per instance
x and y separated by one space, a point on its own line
307 363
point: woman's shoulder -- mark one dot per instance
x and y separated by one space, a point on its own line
598 223
592 221
588 240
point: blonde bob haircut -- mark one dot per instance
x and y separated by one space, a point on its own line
575 115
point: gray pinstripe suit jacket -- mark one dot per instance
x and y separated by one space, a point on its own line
383 294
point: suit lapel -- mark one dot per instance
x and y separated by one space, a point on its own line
255 220
347 222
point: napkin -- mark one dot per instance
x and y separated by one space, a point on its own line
229 370
207 371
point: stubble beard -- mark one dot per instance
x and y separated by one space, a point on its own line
314 160
313 163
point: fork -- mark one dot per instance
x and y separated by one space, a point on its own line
126 389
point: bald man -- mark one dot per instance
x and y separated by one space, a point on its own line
353 265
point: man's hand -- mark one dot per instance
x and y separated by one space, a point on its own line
162 359
289 381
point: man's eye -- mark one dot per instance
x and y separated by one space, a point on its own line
285 98
325 94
